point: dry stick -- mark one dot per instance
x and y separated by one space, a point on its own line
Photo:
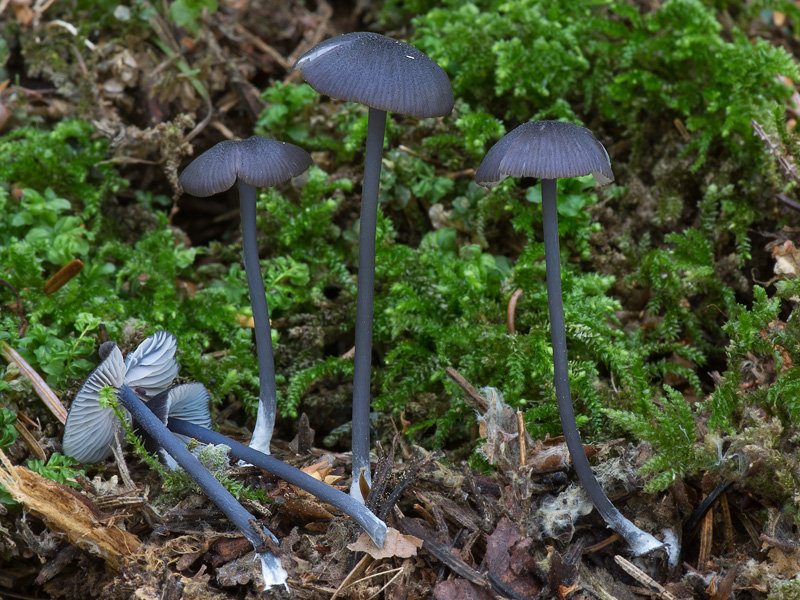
704 506
64 274
39 385
446 556
512 310
483 506
644 578
401 487
472 394
726 513
382 472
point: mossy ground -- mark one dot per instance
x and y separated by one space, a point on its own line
679 282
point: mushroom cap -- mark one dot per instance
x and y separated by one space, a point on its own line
152 366
89 431
546 150
380 72
190 402
258 161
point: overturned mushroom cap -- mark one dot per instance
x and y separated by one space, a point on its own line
152 366
379 72
258 161
89 431
546 150
188 402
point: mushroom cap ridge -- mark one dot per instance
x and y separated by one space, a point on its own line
546 150
258 161
379 72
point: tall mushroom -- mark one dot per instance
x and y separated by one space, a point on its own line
254 162
90 428
550 150
385 75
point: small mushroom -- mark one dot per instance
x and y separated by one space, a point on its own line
550 150
90 428
254 162
189 402
273 572
385 75
375 528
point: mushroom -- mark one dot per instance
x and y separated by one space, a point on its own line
254 162
375 528
189 402
90 428
550 150
273 572
385 75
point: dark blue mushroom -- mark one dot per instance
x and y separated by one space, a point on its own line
254 162
386 75
550 150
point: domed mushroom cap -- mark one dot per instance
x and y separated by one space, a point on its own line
546 150
258 161
379 72
89 431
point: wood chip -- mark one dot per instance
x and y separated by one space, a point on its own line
68 513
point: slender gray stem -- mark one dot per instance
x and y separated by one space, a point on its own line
327 493
640 541
364 300
212 488
267 395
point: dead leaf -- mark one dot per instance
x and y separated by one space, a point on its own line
396 544
245 321
307 509
500 547
461 589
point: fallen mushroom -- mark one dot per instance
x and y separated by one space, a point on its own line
189 402
186 408
90 428
385 75
375 528
254 162
550 150
273 572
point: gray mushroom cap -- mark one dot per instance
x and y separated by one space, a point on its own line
90 428
188 402
546 150
258 161
379 72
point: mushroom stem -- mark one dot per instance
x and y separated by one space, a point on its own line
375 528
376 128
267 394
236 513
640 542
